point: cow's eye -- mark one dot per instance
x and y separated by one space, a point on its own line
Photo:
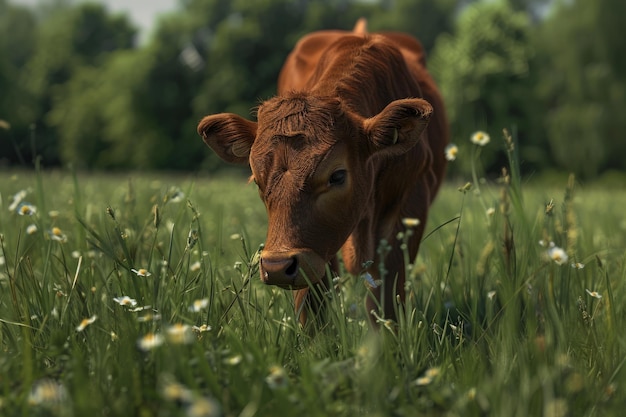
338 177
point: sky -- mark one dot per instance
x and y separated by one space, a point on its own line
143 13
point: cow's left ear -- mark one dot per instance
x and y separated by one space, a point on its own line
398 127
229 135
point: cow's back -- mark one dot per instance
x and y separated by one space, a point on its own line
303 62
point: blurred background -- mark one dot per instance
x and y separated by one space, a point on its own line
121 85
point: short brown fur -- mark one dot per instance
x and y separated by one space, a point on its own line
353 143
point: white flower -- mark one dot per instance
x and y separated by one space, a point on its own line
141 272
195 266
47 393
277 378
31 229
201 329
57 234
26 209
199 305
491 211
558 255
578 265
125 301
150 341
451 151
179 334
17 199
86 322
594 294
480 138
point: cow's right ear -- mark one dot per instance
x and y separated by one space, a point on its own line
229 135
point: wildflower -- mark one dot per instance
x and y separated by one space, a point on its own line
142 272
233 360
199 305
75 254
57 234
147 317
150 341
491 211
17 199
86 322
125 301
451 151
47 393
480 138
195 266
558 255
428 377
594 294
53 214
179 334
175 391
203 407
31 229
26 209
410 222
201 329
277 378
578 265
491 295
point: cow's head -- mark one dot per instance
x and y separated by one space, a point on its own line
311 159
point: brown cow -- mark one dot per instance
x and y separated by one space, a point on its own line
340 157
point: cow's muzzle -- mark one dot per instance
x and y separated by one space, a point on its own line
291 269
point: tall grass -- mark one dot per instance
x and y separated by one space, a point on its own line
495 323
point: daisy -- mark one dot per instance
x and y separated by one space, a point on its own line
277 378
201 329
578 265
26 209
199 305
57 234
451 151
179 334
125 301
150 341
594 294
480 138
558 255
86 322
203 407
31 229
491 211
142 272
47 393
17 199
195 266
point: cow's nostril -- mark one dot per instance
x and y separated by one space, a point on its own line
292 269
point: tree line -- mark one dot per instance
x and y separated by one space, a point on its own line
76 87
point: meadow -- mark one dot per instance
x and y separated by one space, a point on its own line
138 294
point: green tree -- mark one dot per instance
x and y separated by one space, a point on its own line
17 40
483 71
69 39
583 83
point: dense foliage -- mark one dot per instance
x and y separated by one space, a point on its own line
76 88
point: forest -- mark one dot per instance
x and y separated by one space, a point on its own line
78 89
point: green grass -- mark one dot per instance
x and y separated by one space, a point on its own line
491 325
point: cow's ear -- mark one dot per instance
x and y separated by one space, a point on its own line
229 135
397 128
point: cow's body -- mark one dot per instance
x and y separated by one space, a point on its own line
341 155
